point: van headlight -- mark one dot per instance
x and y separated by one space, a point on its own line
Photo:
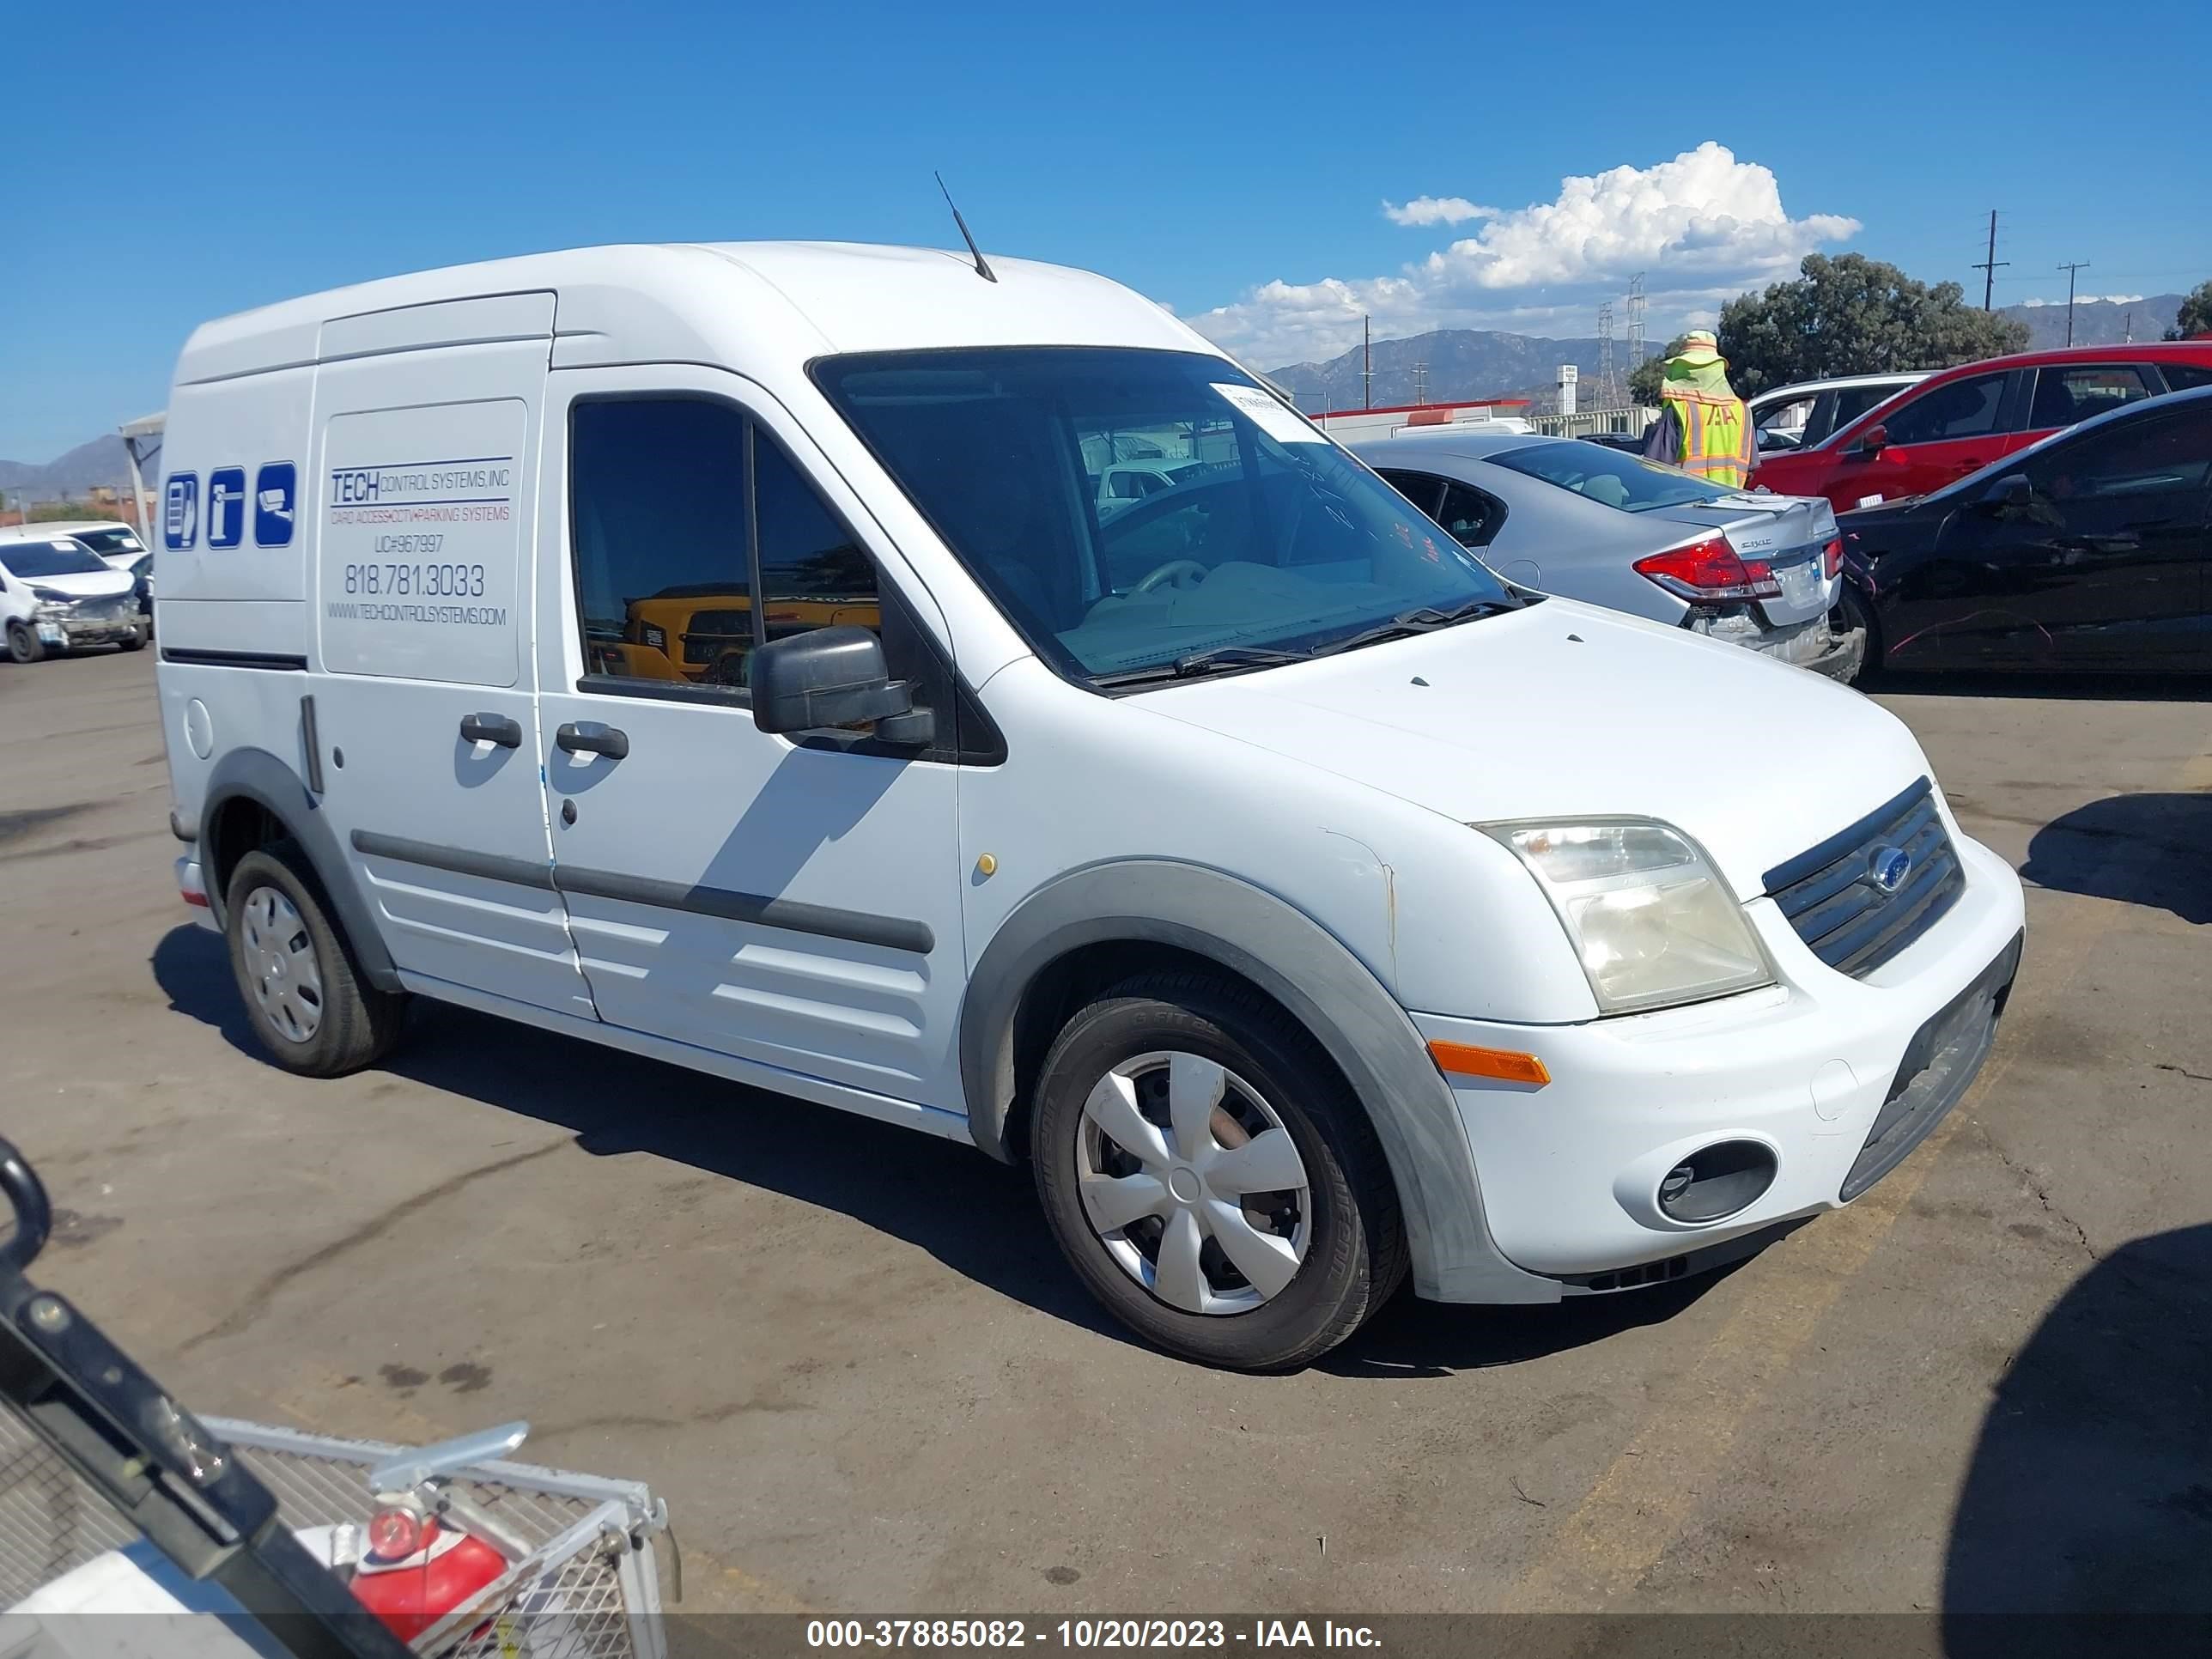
1651 920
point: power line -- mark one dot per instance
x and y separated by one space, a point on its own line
1989 266
2069 269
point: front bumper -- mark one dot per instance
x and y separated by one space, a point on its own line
1836 1077
68 632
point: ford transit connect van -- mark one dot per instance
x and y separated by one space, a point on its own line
719 653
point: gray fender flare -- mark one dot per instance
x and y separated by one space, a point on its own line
257 775
1321 983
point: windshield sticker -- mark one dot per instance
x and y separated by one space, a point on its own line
1283 425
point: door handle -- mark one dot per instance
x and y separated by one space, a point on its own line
492 728
608 741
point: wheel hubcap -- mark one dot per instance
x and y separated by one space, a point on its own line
1193 1184
281 965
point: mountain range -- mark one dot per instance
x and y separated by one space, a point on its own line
1457 364
1463 364
99 461
2098 322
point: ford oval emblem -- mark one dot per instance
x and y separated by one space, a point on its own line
1888 867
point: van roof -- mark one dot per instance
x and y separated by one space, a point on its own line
736 303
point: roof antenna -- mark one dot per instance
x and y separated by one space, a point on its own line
982 265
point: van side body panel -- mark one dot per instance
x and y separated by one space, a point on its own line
1322 986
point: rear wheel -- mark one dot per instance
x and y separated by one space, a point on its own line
23 644
304 993
1211 1178
1852 611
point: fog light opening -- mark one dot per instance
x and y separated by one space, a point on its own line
1716 1181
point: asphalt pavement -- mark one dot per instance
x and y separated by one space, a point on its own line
853 1362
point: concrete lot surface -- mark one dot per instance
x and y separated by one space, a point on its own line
854 1363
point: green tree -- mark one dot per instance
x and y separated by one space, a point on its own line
1853 315
2195 316
1643 380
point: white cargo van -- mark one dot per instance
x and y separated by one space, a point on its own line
719 652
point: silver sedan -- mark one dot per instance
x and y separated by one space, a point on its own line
1590 523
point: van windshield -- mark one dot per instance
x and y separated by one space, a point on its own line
67 557
1263 537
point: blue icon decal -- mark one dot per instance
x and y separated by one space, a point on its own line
180 511
273 492
225 506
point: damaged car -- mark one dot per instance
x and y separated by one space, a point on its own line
1591 523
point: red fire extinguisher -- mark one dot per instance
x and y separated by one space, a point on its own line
416 1571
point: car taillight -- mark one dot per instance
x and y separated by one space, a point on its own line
1832 558
1711 570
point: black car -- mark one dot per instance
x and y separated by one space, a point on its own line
142 589
1630 443
2089 550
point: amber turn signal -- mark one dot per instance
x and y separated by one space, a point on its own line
1465 1059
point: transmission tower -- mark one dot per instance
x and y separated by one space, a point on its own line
1608 395
1635 322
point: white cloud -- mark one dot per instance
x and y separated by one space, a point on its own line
1436 210
1703 227
2089 300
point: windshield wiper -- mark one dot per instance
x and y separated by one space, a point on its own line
1422 619
1219 660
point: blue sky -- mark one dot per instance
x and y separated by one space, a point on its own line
1231 161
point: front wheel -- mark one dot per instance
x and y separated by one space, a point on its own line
136 640
1211 1177
23 645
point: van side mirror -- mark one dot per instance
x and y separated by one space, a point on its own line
2012 490
834 678
1870 443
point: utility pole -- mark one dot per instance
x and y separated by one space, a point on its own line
1989 266
1607 395
2069 269
1635 322
1366 363
2130 339
1420 383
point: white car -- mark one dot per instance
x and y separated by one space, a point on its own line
112 539
56 594
1795 416
1124 484
1310 909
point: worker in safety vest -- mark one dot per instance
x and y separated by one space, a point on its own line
1703 427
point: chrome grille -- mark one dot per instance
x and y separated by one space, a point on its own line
1833 900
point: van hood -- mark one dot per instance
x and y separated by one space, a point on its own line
1566 711
84 584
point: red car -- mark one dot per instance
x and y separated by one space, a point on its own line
1959 421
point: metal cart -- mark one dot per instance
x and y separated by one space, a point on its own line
95 1457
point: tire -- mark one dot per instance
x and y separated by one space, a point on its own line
1342 1228
1853 611
23 644
136 641
314 1014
